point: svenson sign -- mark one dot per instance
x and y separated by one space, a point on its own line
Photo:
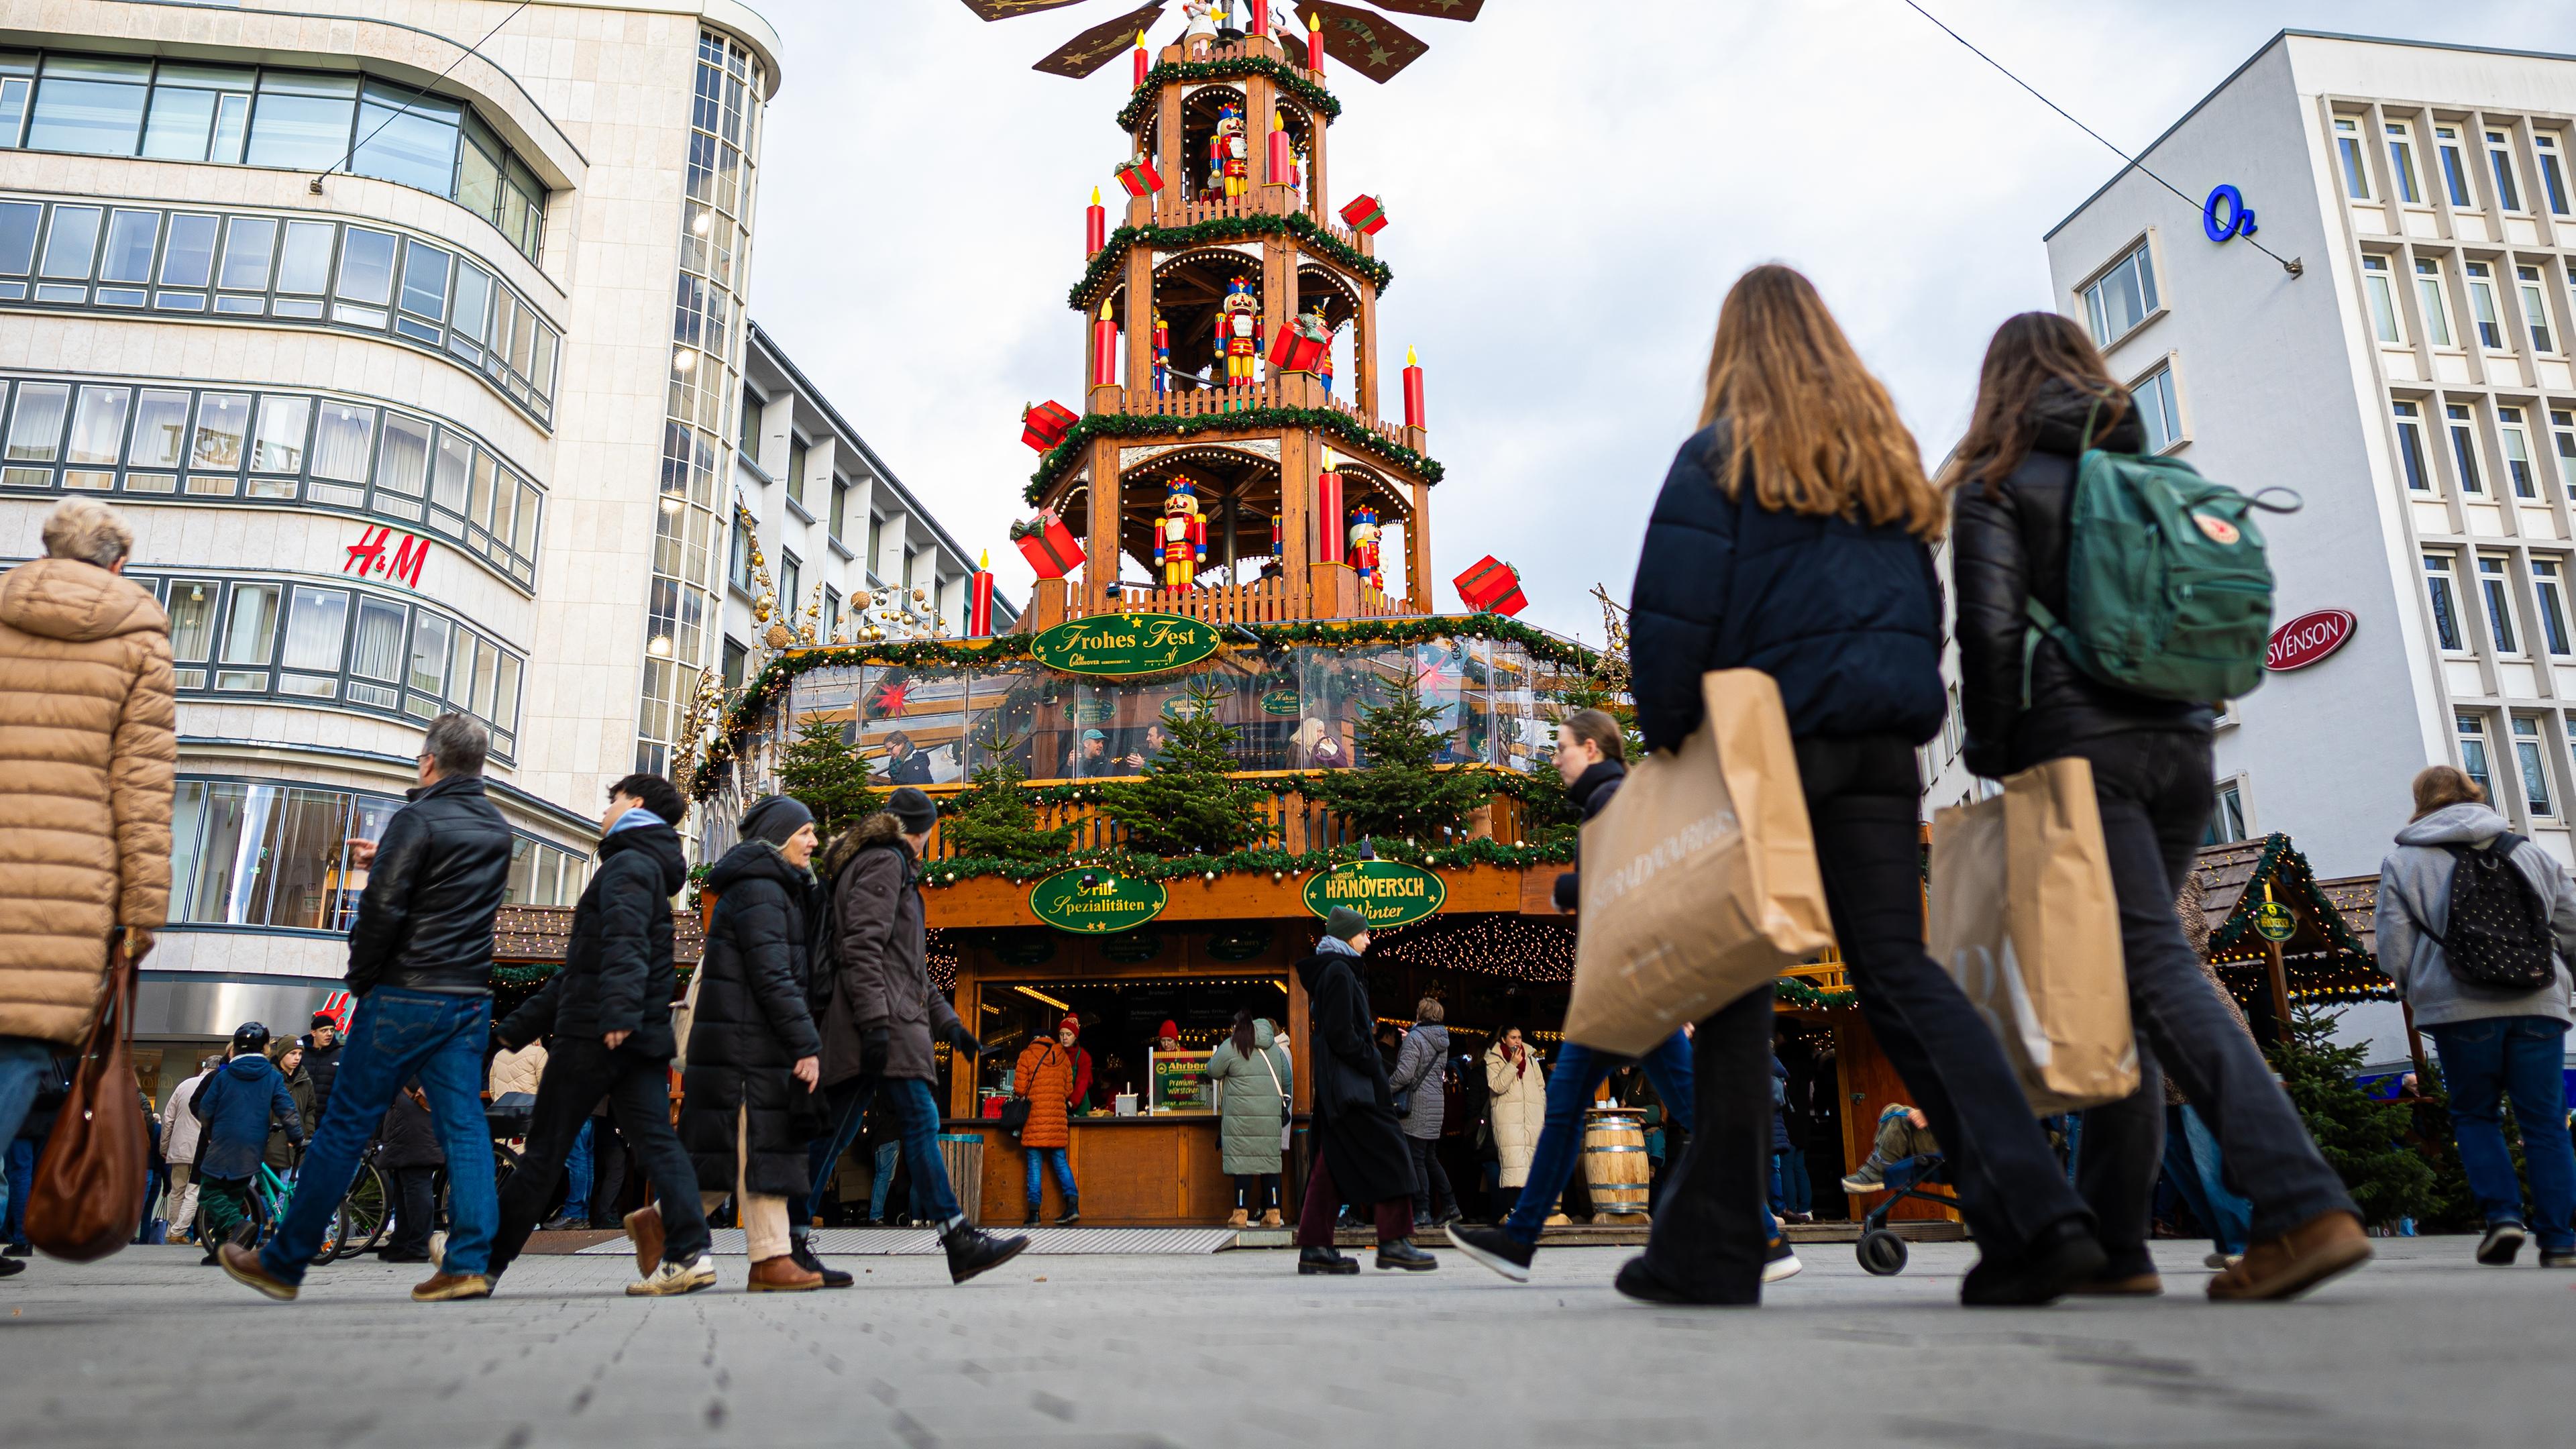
2307 639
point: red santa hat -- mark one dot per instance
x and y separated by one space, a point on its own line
1169 1030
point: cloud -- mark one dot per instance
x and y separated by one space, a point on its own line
1571 190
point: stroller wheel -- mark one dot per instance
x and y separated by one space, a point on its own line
1881 1252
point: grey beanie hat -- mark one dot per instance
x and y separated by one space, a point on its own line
1344 923
774 818
913 810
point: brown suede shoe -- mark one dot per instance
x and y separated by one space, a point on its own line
242 1266
2136 1285
448 1287
1270 1219
782 1274
2296 1261
644 1230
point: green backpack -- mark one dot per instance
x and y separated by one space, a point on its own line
2168 593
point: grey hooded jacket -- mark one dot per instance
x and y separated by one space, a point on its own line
1419 1070
2415 905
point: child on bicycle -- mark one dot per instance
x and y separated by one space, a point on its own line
237 1104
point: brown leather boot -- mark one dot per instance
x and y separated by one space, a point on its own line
445 1287
1271 1219
644 1230
2296 1261
1241 1219
782 1274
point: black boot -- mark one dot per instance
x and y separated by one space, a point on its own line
1072 1214
801 1249
2063 1255
1402 1254
1031 1220
1325 1260
972 1251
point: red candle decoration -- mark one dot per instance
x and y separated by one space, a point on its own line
1143 61
1104 349
1328 512
979 600
1283 156
1315 43
1412 391
1095 226
1260 18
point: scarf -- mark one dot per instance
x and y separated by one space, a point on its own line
1335 946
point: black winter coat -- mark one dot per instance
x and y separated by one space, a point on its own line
1845 616
872 944
324 1064
617 973
425 921
1355 1125
409 1136
2009 545
752 1026
1590 792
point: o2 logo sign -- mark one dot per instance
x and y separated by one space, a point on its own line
2225 214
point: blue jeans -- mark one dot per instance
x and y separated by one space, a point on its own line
396 1035
915 1115
2521 1057
1792 1191
24 1062
2192 1161
1580 1071
1055 1159
578 1173
887 1155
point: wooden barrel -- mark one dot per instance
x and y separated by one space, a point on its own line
1615 1164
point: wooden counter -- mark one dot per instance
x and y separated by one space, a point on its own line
1133 1171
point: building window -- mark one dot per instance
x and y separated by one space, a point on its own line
791 587
2455 166
2535 307
2226 816
876 546
2547 585
738 561
2158 408
831 613
2553 177
2500 158
2493 592
2121 298
2356 171
2517 452
735 659
2383 302
2410 446
2464 447
2446 608
2562 428
748 427
1953 731
2527 763
797 451
2473 753
840 507
2482 306
2401 163
2428 293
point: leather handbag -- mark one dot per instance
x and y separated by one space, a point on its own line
1015 1115
88 1191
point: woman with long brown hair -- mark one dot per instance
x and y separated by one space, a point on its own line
2045 397
1791 537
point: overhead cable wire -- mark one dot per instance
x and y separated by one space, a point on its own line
2288 264
421 90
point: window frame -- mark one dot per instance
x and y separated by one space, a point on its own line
2163 378
2532 294
2460 421
2495 600
2457 188
2551 152
2090 293
2515 436
2399 138
2441 584
2523 732
2431 298
2407 414
2486 312
2354 162
2477 760
2549 589
2508 184
2379 299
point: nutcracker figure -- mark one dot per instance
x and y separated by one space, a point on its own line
1363 554
1162 354
1240 332
1229 156
1180 536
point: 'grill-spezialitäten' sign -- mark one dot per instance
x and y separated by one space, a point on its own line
1388 892
1109 902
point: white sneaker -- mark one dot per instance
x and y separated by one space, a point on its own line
438 1252
1780 1262
670 1280
2221 1262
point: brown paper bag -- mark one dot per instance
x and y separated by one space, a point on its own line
2023 917
1700 879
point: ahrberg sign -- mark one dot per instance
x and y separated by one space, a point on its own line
2307 639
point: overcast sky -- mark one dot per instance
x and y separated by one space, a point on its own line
1571 187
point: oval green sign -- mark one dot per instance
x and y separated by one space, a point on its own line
1111 902
1119 645
1279 701
2274 922
1389 893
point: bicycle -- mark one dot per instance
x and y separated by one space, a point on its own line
357 1223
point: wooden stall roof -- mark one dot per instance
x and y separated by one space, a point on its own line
2329 957
538 935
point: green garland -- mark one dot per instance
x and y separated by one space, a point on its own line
951 871
1290 79
1424 629
1298 224
525 975
1338 425
1799 992
2275 862
908 654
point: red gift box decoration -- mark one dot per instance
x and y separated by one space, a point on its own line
1296 351
1049 546
1043 426
1365 215
1139 177
1492 586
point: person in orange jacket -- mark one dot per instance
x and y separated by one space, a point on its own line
1045 1076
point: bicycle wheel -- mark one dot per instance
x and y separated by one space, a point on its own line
364 1212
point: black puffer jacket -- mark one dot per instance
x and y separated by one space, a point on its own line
425 922
1590 792
1354 1107
752 1026
324 1064
409 1134
872 942
2009 545
617 972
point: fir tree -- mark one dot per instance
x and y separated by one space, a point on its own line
2363 1138
829 776
995 821
1398 792
1187 801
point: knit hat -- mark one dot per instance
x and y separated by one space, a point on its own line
1169 1029
1071 1023
913 810
774 818
1344 923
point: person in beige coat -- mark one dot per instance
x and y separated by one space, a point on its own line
1518 1105
88 742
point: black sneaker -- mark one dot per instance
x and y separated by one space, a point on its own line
1637 1279
2502 1242
1402 1254
1443 1220
1325 1260
972 1251
18 1250
1495 1249
2062 1256
9 1266
1031 1220
1072 1215
803 1253
2565 1259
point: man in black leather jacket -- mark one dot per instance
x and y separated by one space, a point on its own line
420 964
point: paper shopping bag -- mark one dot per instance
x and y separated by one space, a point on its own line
2023 917
1699 879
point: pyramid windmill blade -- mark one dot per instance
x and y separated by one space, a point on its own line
1006 9
1365 41
1437 9
1101 44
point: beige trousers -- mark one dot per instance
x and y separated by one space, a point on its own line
181 1199
763 1215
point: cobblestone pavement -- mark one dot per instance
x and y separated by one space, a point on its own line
2420 1348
